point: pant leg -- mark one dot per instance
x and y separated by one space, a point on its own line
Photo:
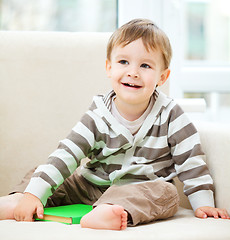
75 189
145 202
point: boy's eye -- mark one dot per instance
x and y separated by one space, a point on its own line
144 65
124 62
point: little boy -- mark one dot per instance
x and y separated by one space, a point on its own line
137 140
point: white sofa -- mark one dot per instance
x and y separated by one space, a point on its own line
47 81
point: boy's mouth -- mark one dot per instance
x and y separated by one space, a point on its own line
131 85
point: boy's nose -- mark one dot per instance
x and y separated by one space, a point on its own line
133 73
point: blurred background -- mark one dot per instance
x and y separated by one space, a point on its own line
199 31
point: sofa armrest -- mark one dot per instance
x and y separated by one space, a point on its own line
215 140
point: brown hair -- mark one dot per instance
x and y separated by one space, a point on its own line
153 38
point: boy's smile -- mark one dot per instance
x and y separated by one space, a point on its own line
134 73
132 85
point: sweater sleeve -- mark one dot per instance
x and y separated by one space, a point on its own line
189 160
62 162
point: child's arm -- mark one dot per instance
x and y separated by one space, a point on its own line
63 161
204 212
27 207
189 160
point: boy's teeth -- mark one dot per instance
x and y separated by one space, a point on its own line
131 85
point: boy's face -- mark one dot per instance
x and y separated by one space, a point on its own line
135 72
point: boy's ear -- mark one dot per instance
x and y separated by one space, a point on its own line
164 76
108 68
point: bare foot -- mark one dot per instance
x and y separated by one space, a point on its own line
106 216
7 205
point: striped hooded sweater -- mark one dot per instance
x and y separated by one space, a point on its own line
167 145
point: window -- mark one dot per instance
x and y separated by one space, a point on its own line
199 31
205 66
58 15
207 31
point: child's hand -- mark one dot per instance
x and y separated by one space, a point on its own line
27 207
204 212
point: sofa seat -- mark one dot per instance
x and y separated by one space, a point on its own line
183 226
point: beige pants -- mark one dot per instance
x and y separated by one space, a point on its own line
144 202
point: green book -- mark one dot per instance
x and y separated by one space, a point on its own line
69 214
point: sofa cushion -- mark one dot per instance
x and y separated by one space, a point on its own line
180 227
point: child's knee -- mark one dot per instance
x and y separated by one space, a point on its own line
171 203
172 190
